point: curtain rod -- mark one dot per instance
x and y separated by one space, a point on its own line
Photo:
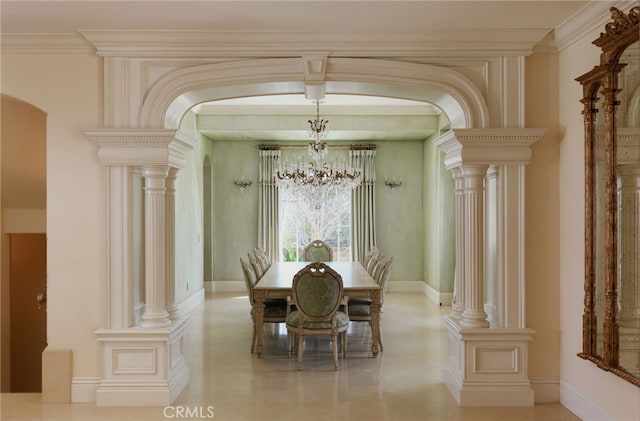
273 147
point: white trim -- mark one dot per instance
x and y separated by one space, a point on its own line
440 298
407 286
545 389
46 44
228 286
83 389
188 304
583 407
444 42
591 17
177 91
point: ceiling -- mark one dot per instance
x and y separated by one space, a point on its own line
284 117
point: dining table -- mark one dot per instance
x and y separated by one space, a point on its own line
277 283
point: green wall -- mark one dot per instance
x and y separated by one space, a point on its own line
189 214
439 221
415 221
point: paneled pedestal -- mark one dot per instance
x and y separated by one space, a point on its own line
142 366
488 367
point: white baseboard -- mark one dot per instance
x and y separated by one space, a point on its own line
192 301
83 389
576 402
546 389
441 298
208 286
406 286
227 286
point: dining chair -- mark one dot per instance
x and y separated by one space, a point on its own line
359 309
261 255
375 265
317 251
275 311
317 294
370 254
256 264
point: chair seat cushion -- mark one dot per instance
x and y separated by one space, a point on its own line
341 320
274 308
358 308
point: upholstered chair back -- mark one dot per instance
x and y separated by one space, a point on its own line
249 277
317 291
318 251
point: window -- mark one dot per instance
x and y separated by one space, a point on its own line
301 222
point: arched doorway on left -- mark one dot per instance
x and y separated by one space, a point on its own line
23 246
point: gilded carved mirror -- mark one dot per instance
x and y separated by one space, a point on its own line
611 99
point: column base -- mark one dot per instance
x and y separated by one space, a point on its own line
142 367
488 367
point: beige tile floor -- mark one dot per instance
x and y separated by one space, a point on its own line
228 383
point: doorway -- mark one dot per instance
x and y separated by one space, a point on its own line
28 286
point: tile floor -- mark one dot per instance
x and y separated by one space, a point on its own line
228 383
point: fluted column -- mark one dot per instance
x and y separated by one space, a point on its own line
473 197
458 282
155 313
170 217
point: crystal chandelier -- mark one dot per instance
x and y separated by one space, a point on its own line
317 180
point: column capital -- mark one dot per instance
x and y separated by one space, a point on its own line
142 146
493 146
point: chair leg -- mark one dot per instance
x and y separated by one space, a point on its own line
289 343
344 344
334 340
300 349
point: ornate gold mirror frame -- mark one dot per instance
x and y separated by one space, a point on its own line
611 99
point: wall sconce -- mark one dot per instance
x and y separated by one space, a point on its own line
242 183
392 184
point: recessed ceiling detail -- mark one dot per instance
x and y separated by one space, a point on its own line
284 118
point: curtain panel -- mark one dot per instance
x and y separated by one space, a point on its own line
363 215
268 226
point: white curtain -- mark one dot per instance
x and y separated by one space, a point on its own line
268 227
363 215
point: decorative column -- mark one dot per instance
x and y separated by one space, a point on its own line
170 274
474 314
458 302
155 314
141 365
487 365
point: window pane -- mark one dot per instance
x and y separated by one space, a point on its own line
301 223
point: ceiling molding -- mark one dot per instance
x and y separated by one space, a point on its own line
443 42
588 19
72 43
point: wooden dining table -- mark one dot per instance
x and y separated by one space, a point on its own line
356 281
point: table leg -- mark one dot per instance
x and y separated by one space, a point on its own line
376 305
258 314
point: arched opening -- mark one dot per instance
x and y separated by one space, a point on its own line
23 198
164 124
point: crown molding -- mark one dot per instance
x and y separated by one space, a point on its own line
46 43
588 19
447 43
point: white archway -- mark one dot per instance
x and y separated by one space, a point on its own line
154 145
176 92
